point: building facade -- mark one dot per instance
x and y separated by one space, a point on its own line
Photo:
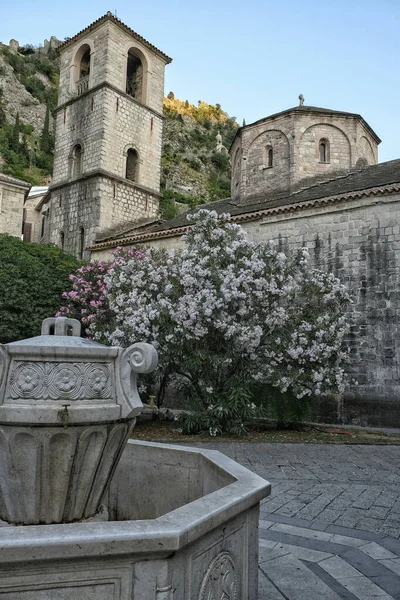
293 148
13 192
108 135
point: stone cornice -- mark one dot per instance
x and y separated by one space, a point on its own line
91 175
110 17
105 84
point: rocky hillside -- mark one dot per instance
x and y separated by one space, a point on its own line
195 162
28 97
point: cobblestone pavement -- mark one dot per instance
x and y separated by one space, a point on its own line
331 527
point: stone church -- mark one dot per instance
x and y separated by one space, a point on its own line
306 176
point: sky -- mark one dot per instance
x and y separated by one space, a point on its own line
254 57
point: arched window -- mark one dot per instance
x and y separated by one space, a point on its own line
82 69
81 242
136 75
268 157
76 161
324 151
62 238
132 164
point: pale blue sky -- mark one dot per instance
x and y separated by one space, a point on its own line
254 57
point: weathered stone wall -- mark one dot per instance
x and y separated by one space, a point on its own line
106 124
360 242
297 159
338 150
94 204
11 209
258 170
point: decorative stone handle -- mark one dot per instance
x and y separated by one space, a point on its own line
61 326
138 358
142 357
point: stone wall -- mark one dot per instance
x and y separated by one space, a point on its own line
106 124
259 172
11 208
360 242
95 204
294 136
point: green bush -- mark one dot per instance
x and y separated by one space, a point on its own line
32 278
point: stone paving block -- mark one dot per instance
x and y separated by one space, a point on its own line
338 568
347 540
302 532
393 565
328 515
391 528
378 512
363 563
362 535
297 582
305 554
331 582
269 553
290 508
370 524
387 498
376 551
364 589
266 590
367 498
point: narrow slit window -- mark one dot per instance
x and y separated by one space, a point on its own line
76 161
324 151
270 157
81 242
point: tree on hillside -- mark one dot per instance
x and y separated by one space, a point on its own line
45 140
2 111
14 141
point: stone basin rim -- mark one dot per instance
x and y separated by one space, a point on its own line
165 534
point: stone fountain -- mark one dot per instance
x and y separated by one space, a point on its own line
87 514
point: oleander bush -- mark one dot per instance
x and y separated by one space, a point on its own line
226 315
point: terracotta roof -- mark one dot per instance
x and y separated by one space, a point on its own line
110 17
376 180
8 179
310 110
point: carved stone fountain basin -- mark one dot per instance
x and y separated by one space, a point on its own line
183 525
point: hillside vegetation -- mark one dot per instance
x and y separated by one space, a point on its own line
193 171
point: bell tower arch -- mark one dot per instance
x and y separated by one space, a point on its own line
107 158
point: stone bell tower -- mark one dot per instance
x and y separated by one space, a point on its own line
107 158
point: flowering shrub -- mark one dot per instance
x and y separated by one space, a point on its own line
226 313
87 300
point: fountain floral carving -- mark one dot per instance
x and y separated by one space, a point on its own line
220 581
